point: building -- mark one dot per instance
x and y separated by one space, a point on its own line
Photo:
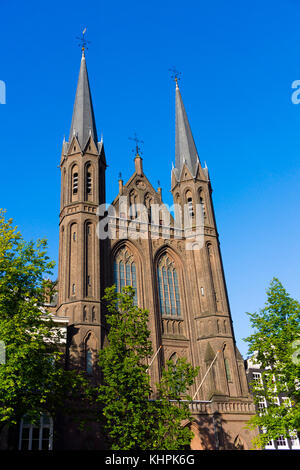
254 373
177 273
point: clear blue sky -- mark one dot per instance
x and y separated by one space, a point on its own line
238 61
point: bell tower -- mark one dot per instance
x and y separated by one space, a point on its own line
80 274
213 330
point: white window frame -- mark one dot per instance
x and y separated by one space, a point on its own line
295 442
284 446
262 400
257 378
41 426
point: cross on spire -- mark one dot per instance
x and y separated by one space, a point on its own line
137 142
83 42
175 75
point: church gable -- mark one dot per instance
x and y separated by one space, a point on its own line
140 196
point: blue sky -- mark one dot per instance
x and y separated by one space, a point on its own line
238 61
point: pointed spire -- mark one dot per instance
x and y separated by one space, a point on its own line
185 148
83 120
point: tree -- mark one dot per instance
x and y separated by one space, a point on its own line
134 420
32 379
277 333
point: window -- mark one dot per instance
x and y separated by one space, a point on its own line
257 380
169 297
281 442
89 362
73 289
262 405
75 183
89 183
227 369
287 402
190 206
93 314
36 436
189 201
125 271
202 206
295 443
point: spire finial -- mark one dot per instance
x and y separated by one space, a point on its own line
175 75
83 42
137 142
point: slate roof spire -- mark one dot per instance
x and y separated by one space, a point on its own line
83 120
185 148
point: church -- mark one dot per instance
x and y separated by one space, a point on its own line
176 271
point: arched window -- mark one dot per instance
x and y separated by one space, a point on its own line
84 314
169 297
227 370
89 261
90 347
202 203
93 314
189 200
125 271
89 361
74 183
88 182
174 358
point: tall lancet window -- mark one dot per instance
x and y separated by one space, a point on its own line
125 271
88 182
169 296
74 183
189 200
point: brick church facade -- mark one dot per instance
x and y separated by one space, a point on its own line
183 288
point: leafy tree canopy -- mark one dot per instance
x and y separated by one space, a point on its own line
274 345
136 417
32 379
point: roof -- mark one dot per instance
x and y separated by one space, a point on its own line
185 148
83 120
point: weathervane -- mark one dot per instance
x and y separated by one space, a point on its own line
175 74
137 142
83 42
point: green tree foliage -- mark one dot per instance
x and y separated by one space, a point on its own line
32 379
272 345
134 420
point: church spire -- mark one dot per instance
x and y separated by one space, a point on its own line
185 148
83 120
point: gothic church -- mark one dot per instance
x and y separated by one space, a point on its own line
184 290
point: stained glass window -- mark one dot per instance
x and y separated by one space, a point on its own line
169 296
125 271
